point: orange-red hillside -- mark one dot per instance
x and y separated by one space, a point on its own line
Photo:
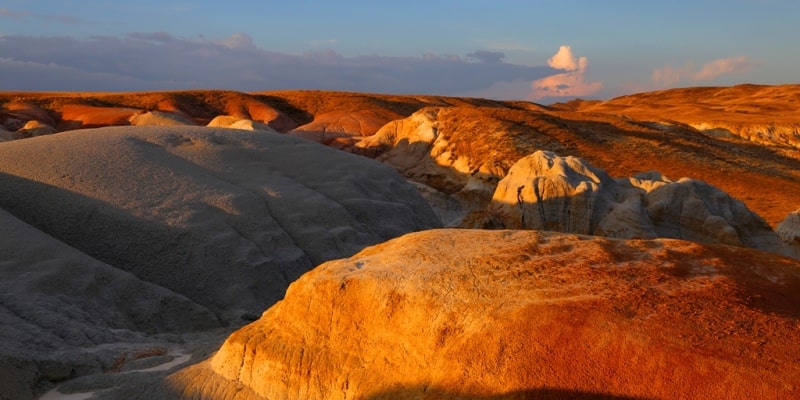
742 139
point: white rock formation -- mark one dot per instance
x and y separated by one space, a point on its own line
565 194
789 228
224 217
546 192
232 122
159 118
425 151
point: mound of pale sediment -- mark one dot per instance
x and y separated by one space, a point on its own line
232 122
64 313
521 314
224 217
566 194
159 118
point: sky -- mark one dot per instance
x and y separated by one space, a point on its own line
542 51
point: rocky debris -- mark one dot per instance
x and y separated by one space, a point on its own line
224 217
519 314
547 192
159 118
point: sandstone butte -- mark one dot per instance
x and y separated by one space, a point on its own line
475 314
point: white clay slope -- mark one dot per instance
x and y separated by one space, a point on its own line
225 217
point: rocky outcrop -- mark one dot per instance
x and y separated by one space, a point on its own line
223 217
519 314
459 155
547 192
783 135
566 194
789 232
789 228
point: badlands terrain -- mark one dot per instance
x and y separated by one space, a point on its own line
288 245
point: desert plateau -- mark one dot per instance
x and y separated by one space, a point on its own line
312 244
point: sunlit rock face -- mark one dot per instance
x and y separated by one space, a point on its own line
159 118
566 194
520 314
456 156
232 122
545 191
224 217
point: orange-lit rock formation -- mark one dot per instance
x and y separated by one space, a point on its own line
521 314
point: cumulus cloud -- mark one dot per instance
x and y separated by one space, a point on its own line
669 75
238 41
564 59
566 84
160 61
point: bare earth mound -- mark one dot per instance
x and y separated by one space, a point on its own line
225 217
520 314
63 313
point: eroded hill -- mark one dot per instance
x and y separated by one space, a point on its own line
660 131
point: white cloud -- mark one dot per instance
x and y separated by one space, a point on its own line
564 59
238 41
670 76
724 66
566 84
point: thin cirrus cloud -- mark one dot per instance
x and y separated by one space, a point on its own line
25 15
161 61
670 76
571 83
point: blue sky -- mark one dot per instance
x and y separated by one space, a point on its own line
530 50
